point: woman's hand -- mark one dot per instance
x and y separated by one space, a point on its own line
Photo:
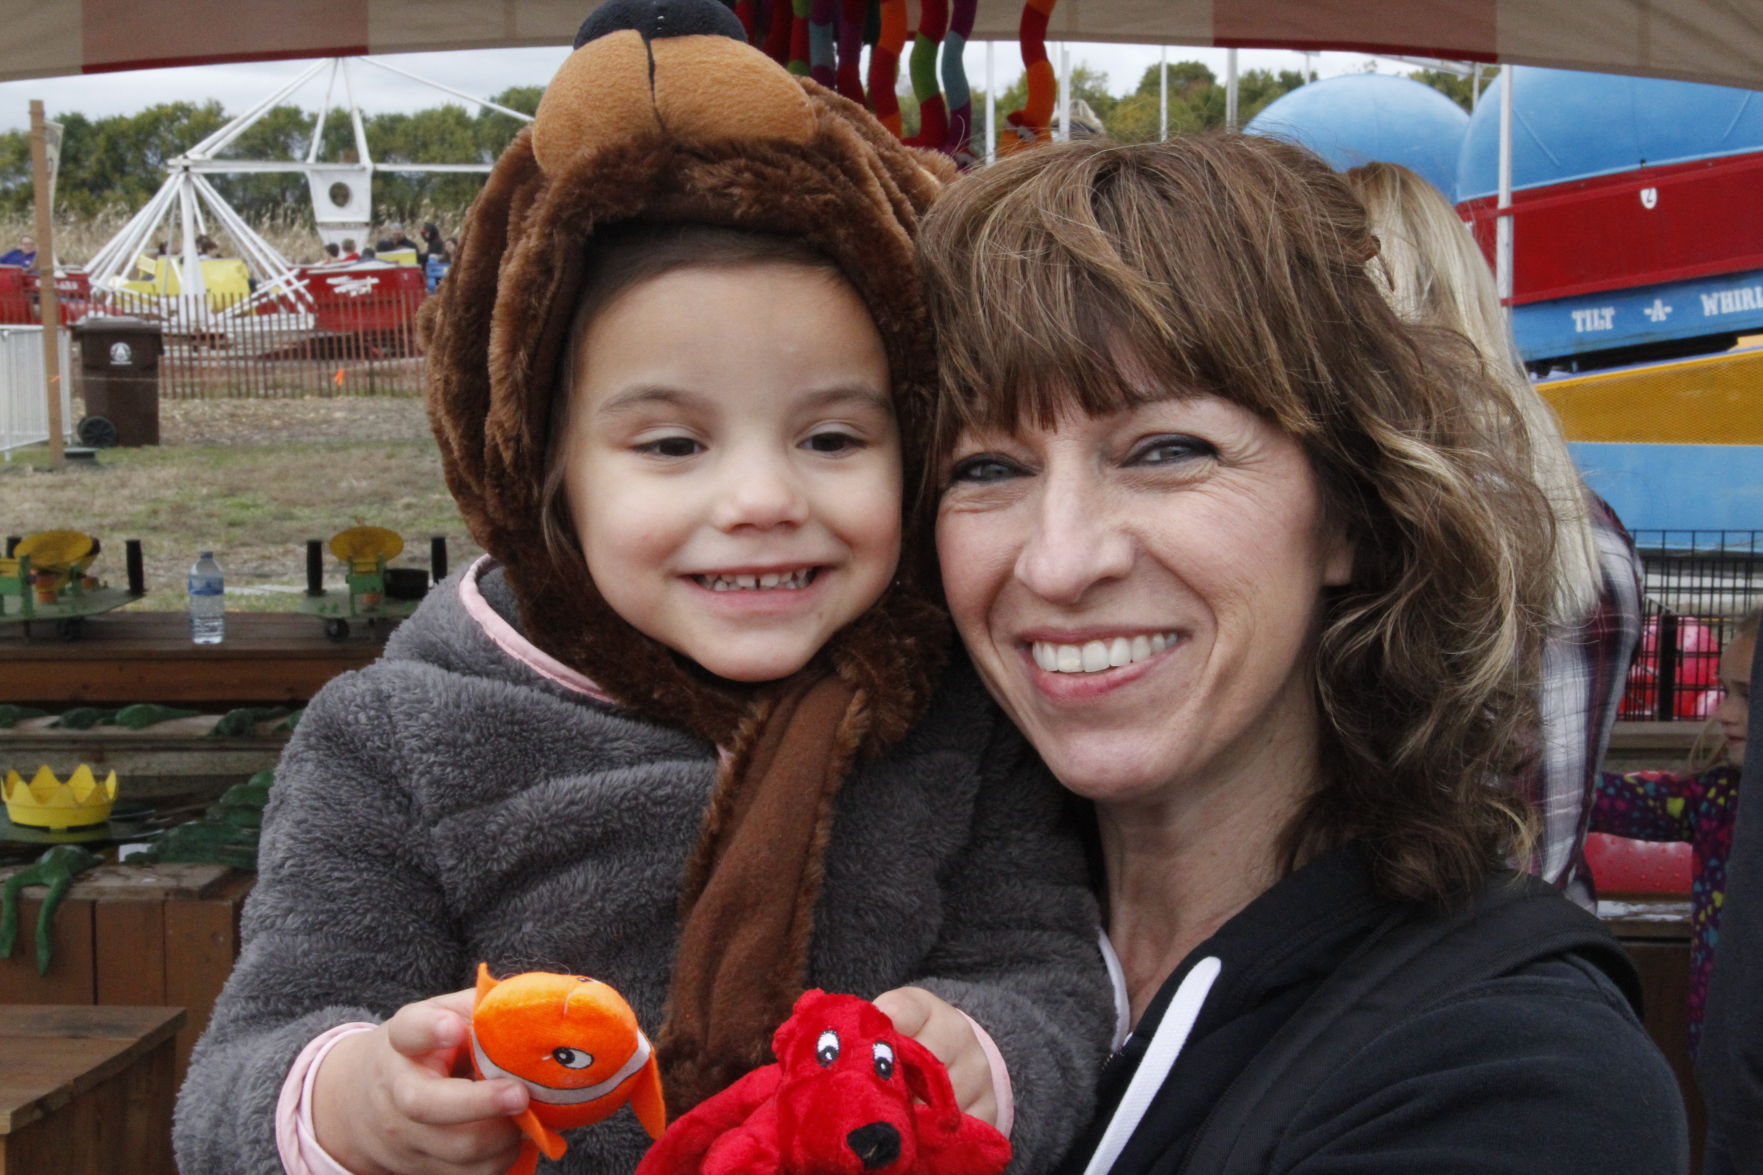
386 1101
941 1028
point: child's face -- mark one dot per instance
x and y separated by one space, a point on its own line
732 463
1734 710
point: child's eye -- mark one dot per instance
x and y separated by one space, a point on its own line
984 469
1167 450
832 441
670 447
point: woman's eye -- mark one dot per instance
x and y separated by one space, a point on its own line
1167 450
983 469
832 441
670 447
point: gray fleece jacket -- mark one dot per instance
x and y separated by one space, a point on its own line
452 803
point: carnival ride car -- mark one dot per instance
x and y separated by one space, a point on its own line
45 577
372 591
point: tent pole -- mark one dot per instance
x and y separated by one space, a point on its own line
1230 89
991 107
1503 223
1064 91
49 308
1163 94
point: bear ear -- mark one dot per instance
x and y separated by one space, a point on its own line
678 68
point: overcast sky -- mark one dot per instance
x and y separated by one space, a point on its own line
485 72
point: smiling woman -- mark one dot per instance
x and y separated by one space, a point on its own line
1261 574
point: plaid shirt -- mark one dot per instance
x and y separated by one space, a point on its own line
1584 673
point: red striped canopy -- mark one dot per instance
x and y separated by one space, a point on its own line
1718 41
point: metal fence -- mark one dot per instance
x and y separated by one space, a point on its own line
1697 585
24 407
364 346
343 331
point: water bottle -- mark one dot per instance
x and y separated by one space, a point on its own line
207 601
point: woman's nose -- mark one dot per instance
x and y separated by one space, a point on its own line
758 494
1073 544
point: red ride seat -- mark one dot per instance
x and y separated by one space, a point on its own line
1621 865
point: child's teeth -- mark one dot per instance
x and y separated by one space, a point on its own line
1097 655
771 579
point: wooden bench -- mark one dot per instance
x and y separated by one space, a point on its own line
86 1091
162 935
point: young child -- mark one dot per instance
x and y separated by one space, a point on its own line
677 731
1698 807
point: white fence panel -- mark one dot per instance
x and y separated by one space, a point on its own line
24 411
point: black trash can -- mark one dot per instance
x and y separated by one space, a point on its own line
119 378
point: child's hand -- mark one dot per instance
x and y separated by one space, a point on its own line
935 1024
386 1101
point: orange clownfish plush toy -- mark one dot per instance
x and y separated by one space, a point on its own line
574 1043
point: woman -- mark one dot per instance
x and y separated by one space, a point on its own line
1262 575
1431 270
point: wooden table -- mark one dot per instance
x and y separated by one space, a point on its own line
86 1091
268 658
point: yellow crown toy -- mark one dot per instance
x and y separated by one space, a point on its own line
46 802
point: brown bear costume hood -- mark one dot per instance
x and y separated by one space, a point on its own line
664 114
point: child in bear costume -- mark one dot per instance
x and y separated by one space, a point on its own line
552 768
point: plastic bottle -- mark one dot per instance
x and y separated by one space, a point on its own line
207 601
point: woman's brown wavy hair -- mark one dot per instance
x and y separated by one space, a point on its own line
1236 265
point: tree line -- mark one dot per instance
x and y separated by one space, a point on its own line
119 161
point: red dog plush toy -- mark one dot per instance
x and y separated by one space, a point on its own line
847 1096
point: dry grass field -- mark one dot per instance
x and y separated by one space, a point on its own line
252 480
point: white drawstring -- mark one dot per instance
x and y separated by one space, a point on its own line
1166 1045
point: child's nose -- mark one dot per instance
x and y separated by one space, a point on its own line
760 495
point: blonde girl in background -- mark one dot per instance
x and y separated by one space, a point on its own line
1434 274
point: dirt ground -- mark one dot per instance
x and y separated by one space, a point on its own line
252 480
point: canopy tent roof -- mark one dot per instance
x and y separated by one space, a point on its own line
1718 41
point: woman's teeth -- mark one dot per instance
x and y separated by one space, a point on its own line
788 580
1095 656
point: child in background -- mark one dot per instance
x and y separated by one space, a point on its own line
681 729
1698 807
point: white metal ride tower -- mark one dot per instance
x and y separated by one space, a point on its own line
342 194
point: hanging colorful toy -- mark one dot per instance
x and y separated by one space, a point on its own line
884 65
801 12
933 116
1034 122
820 41
956 92
849 78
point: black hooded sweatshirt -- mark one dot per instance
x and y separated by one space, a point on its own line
1544 1070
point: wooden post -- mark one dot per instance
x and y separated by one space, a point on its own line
48 303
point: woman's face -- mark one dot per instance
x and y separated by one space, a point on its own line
1140 590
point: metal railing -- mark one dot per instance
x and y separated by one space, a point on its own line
1696 586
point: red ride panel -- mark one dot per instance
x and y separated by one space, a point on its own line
353 301
1638 228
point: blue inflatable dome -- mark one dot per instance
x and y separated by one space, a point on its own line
1366 117
1570 125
